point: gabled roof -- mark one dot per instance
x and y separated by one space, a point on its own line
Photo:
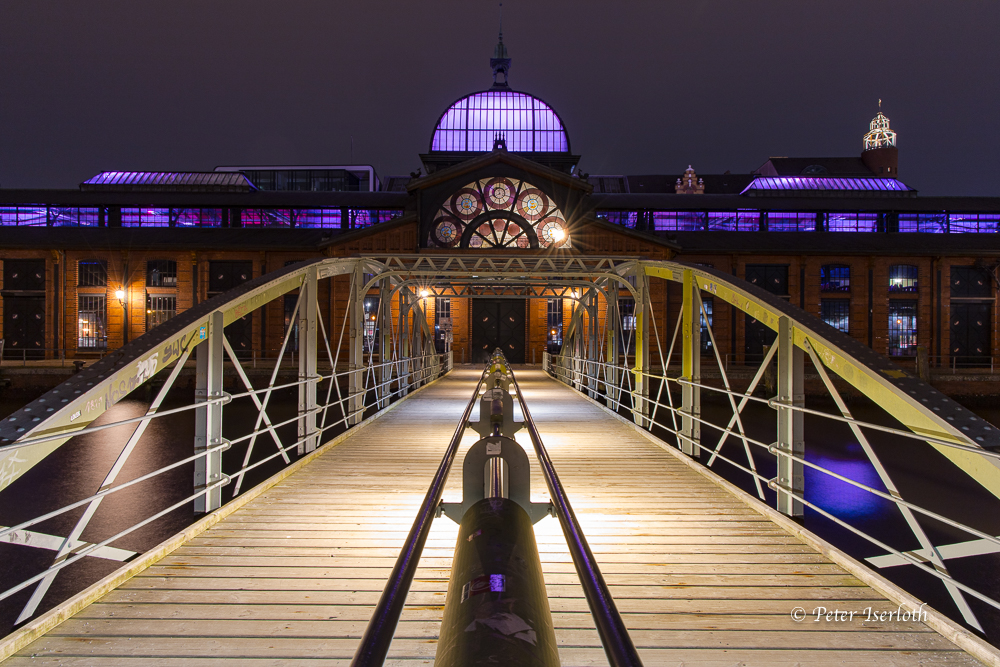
168 181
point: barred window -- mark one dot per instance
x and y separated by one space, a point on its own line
836 313
442 322
706 340
92 273
159 309
902 327
902 278
554 320
161 273
835 278
91 316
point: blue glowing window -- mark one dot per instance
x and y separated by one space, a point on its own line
902 278
835 278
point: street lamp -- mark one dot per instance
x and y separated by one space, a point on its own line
120 295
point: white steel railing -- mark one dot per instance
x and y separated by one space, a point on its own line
616 387
341 379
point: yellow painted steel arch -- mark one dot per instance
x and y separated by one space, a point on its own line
914 403
77 402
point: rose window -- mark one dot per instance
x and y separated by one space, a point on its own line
500 213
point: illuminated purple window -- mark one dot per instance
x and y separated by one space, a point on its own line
527 123
966 223
680 221
785 221
927 223
838 221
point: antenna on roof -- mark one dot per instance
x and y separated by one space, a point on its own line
501 21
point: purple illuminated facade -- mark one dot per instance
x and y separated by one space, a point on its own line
527 124
154 181
813 183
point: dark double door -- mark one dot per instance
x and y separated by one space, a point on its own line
970 333
224 276
774 279
24 327
498 323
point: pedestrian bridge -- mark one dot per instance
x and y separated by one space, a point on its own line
701 572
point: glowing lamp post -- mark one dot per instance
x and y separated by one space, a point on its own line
120 295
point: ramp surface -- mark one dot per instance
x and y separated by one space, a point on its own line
701 579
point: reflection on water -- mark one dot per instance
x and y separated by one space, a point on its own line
840 498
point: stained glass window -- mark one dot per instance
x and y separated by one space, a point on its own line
500 213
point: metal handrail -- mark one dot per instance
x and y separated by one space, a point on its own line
85 551
378 635
614 635
560 370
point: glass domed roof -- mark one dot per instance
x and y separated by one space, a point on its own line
527 124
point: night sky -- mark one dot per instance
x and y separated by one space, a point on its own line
642 87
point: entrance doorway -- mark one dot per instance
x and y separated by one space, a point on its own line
498 323
24 327
970 334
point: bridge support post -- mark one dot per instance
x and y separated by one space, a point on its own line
640 394
307 364
419 322
356 361
592 343
791 392
404 341
611 345
208 419
691 367
384 343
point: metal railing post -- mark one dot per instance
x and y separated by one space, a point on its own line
308 326
791 394
404 341
611 325
691 367
385 343
356 361
640 391
208 419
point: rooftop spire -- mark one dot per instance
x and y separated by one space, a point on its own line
879 134
500 62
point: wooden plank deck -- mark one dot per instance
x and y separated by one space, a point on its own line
701 578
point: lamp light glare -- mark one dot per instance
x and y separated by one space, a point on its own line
558 235
120 294
424 293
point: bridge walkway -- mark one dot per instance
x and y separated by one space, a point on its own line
291 578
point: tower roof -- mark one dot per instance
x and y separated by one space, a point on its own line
500 62
879 135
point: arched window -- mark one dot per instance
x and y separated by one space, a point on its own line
499 213
902 278
835 278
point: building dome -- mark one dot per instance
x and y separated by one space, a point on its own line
526 123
